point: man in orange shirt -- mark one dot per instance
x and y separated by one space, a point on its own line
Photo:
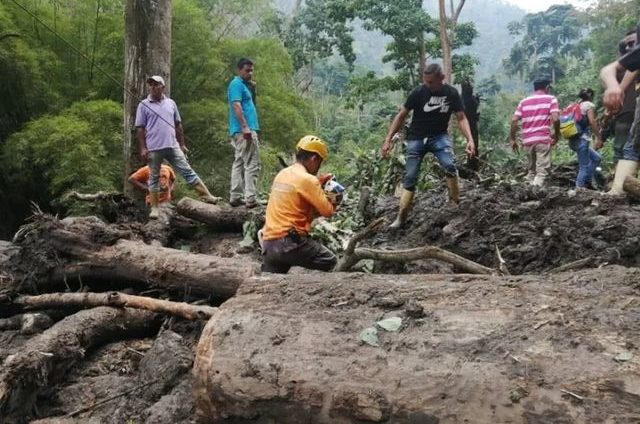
297 198
167 178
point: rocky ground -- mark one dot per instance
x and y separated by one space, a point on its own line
527 328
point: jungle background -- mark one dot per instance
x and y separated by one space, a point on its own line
335 68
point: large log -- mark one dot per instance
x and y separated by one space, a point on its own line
477 349
108 252
46 358
26 323
172 269
219 218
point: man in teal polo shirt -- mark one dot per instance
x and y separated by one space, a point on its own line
243 128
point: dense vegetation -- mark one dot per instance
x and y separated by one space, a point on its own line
338 68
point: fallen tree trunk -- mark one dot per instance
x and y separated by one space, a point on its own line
26 323
223 219
632 186
46 358
80 272
172 269
107 252
120 300
311 348
158 231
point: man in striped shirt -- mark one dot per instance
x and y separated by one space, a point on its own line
537 113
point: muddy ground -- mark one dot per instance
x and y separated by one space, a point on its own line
536 230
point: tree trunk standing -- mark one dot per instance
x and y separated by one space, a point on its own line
445 42
423 56
471 103
447 35
147 50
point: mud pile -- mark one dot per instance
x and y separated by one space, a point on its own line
536 229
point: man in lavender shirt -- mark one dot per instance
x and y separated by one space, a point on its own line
160 136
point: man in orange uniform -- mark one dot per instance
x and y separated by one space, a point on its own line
296 198
140 179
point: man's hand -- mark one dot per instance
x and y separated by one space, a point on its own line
514 145
554 140
471 148
334 198
613 98
323 178
246 134
386 148
144 154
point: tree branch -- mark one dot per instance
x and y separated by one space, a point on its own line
425 252
456 15
349 259
116 299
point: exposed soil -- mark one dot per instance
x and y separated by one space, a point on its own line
535 229
474 325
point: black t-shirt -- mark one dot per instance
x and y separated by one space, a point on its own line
631 60
432 110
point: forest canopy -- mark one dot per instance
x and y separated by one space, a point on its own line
335 68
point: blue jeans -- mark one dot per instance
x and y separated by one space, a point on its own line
588 160
621 135
630 152
178 162
440 146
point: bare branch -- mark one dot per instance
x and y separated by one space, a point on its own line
425 252
121 300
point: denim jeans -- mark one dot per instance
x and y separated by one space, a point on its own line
440 146
630 150
621 135
588 160
178 161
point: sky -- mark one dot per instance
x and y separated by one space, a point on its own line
534 6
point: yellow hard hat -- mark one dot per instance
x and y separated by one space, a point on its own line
314 144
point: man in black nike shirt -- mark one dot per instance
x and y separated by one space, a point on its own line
613 99
432 104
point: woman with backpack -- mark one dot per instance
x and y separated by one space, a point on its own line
586 124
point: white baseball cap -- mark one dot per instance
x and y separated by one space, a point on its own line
156 78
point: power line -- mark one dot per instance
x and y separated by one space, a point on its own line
85 57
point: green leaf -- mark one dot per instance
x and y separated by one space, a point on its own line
623 356
390 324
370 336
249 230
